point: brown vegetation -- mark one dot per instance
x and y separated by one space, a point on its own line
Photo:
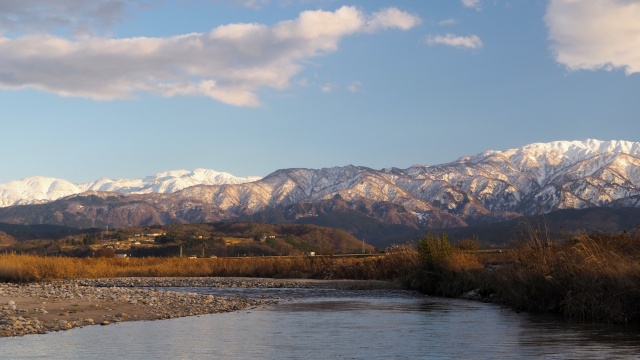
444 270
29 268
591 277
595 277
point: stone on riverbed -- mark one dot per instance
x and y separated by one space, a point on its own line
108 299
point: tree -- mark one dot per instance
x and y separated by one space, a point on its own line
90 239
434 250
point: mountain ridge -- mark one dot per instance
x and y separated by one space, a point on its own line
40 189
489 187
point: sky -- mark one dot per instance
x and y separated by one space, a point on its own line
118 89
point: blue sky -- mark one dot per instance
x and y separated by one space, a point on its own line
125 89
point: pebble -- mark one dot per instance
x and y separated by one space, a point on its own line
144 292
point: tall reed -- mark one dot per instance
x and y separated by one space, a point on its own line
589 277
29 268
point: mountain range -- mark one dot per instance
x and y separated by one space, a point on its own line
39 189
485 188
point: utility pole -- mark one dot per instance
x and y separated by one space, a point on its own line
363 245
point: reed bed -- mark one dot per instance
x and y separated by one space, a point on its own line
595 277
29 268
590 277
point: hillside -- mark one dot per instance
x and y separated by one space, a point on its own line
380 206
559 224
219 239
44 231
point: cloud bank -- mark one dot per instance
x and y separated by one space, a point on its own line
592 35
469 42
229 63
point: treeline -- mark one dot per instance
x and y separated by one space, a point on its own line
247 239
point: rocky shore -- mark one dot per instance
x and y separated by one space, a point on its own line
38 308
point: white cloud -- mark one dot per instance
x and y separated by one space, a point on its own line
469 42
472 4
391 18
229 64
327 88
354 87
592 35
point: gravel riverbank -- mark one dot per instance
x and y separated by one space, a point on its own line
38 308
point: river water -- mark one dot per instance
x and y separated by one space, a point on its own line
329 324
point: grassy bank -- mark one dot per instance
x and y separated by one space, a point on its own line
591 277
28 268
594 277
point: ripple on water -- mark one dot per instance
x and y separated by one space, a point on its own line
345 324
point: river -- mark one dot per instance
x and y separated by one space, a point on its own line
326 324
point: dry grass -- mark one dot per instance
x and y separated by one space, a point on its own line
590 277
28 268
594 277
444 270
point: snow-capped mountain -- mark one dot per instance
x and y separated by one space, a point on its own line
34 190
37 189
491 186
533 179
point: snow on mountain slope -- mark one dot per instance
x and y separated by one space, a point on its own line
541 176
536 178
167 182
35 189
43 189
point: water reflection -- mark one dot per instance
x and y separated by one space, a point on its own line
326 324
591 340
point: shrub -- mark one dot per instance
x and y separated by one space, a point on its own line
595 277
434 251
443 270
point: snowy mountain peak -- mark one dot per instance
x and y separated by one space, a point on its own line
577 150
39 189
526 180
556 153
35 189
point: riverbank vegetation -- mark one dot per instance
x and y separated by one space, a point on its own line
30 268
589 276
